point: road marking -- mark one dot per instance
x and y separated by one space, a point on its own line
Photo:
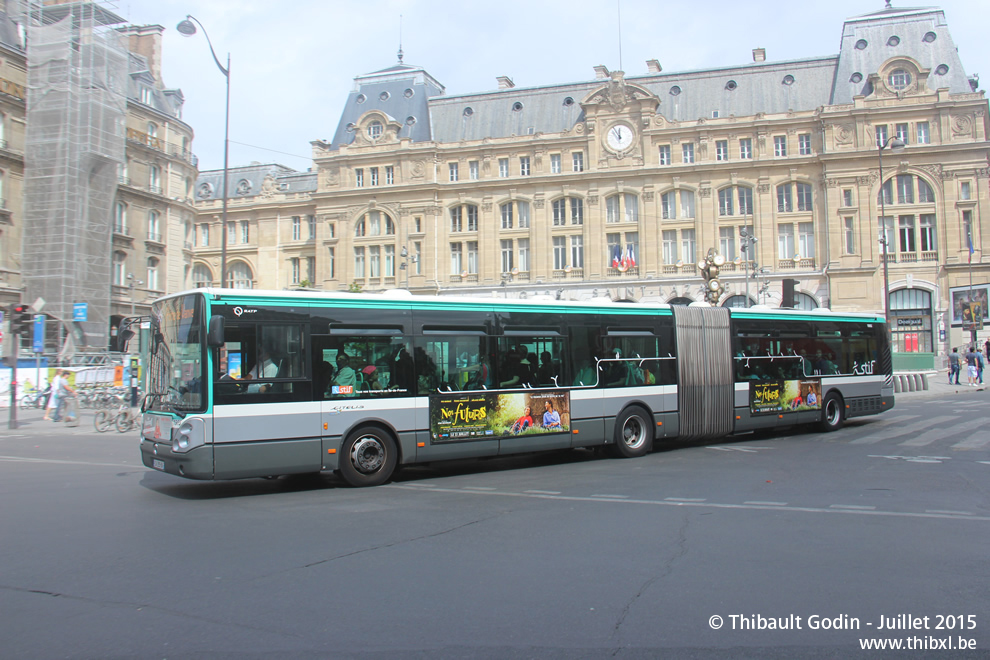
976 442
750 450
607 495
543 492
897 429
916 459
22 459
852 507
940 433
767 503
684 499
704 505
951 513
478 488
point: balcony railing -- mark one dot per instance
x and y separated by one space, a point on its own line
929 256
632 271
155 190
155 237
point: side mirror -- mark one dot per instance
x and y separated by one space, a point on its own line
214 336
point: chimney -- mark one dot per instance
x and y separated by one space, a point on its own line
505 82
146 41
601 72
653 66
759 54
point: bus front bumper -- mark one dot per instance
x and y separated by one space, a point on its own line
194 464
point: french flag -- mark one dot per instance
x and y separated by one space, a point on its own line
616 256
630 259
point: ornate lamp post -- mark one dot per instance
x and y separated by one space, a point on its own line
187 29
895 144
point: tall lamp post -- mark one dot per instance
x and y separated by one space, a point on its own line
187 29
748 244
895 144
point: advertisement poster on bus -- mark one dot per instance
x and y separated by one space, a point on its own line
779 396
456 416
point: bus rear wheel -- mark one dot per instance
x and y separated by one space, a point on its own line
368 457
633 433
832 418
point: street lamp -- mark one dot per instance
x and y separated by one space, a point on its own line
187 29
131 284
748 243
895 144
404 266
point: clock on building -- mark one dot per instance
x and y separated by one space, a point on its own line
619 137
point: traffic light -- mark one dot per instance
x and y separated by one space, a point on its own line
709 270
20 319
787 297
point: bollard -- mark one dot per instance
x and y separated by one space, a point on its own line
897 385
917 382
924 382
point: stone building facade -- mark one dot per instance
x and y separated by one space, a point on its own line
617 186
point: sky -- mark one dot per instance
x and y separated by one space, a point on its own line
293 62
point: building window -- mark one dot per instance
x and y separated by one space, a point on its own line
905 189
785 241
926 231
577 161
245 232
418 249
418 224
359 177
804 196
522 209
806 240
847 198
155 179
230 233
727 242
389 175
725 201
559 212
905 226
473 170
901 131
687 152
456 259
721 150
726 198
153 227
389 261
524 166
665 154
780 146
296 228
559 252
201 276
669 207
332 263
687 246
457 218
374 261
746 148
785 203
964 190
506 251
804 144
374 176
453 171
881 135
507 215
472 257
670 246
375 129
373 223
311 221
503 167
295 270
899 79
850 235
554 163
119 268
204 235
622 208
968 239
577 251
359 262
523 246
120 219
922 131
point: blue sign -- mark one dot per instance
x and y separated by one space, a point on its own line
39 334
79 311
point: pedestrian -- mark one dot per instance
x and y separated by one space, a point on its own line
972 363
64 391
954 366
52 407
980 363
987 347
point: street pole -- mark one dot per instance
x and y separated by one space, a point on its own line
187 29
896 144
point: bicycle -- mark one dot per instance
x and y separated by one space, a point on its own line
35 399
127 419
104 420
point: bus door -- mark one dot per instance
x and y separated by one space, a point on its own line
706 387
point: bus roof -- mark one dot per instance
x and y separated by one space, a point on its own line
399 298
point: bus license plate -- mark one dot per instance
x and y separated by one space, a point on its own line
158 464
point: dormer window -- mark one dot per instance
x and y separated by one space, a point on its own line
375 130
899 79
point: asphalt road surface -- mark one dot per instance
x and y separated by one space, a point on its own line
695 551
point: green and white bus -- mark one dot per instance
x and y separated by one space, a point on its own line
245 383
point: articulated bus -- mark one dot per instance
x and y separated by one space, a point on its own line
245 383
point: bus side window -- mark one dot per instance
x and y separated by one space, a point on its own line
584 351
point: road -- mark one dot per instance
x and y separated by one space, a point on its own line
566 555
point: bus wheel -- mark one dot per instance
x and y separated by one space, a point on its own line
832 418
633 433
369 457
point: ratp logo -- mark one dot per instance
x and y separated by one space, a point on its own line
240 310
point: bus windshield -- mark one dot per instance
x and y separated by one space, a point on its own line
176 365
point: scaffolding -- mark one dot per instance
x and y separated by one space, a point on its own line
74 147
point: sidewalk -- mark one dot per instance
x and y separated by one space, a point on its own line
32 422
938 385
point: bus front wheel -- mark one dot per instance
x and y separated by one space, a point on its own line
633 433
832 417
369 457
